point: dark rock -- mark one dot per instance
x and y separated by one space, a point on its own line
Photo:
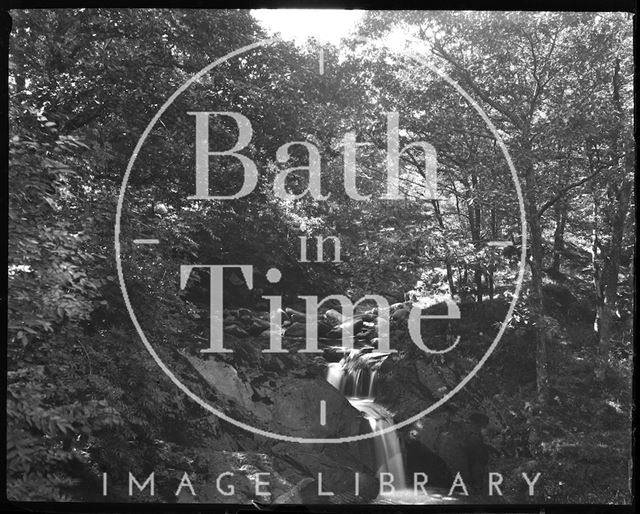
400 315
335 353
256 328
298 318
338 465
262 306
229 386
400 305
245 352
419 459
399 386
245 314
457 443
428 430
334 317
298 494
296 329
263 323
355 324
323 329
299 305
296 409
284 315
367 334
235 330
292 312
451 450
430 377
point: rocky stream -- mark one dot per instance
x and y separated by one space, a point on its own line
363 390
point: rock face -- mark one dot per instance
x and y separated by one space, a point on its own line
445 444
422 460
296 410
226 382
282 392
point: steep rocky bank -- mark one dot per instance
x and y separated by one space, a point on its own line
281 392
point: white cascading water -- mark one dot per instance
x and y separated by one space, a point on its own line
355 376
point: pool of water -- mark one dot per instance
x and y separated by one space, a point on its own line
410 497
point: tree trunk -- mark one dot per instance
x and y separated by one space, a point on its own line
618 193
561 209
447 260
475 225
491 267
477 279
542 377
535 263
602 323
452 285
490 284
606 264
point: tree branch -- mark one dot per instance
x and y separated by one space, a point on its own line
507 113
564 190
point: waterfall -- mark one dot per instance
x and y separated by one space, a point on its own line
355 377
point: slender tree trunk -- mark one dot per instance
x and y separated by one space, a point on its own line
475 225
561 209
606 264
447 260
491 268
602 322
632 280
535 263
490 287
477 279
452 285
607 256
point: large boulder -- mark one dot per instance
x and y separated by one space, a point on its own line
296 410
353 324
457 442
335 464
282 393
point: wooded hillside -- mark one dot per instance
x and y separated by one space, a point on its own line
84 395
